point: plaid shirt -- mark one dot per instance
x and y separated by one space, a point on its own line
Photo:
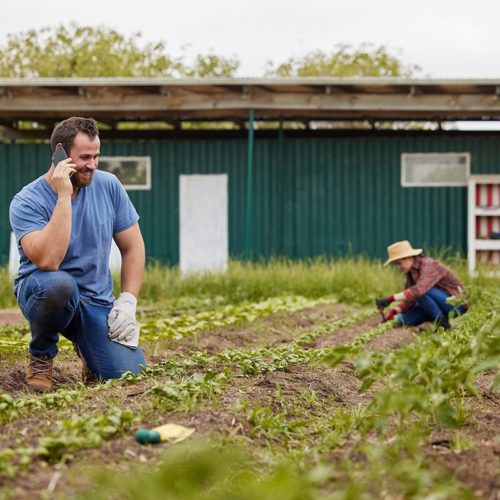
427 273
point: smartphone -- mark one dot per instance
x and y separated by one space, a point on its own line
58 156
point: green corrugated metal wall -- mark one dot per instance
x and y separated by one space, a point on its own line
312 196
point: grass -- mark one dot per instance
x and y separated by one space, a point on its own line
354 280
208 470
7 298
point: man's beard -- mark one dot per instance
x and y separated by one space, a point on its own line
82 177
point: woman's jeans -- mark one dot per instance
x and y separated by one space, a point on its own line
51 303
429 307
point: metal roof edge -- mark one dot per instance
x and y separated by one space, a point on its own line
152 81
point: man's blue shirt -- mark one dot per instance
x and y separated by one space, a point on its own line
100 210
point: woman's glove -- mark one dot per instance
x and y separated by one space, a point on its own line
390 314
383 303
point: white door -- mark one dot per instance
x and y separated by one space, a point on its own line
203 223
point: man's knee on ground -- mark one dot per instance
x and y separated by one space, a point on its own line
115 367
115 372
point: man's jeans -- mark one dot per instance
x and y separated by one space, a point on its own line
51 302
429 307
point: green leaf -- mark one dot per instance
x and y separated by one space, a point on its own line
445 416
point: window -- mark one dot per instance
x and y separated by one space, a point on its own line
134 172
434 169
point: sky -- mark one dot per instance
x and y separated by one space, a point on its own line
446 38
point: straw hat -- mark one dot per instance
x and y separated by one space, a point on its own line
401 250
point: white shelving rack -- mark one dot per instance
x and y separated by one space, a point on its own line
484 221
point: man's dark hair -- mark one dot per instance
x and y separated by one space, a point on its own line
66 131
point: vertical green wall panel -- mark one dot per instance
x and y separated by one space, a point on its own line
334 196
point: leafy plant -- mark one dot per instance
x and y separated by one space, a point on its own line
68 437
171 394
83 432
11 408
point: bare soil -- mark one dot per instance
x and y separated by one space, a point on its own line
12 316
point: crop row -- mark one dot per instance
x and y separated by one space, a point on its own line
250 363
431 376
68 437
176 327
11 408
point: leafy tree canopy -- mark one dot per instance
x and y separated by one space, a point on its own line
345 60
84 51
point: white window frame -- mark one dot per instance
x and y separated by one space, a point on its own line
405 156
132 187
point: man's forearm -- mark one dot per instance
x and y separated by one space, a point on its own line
47 248
133 270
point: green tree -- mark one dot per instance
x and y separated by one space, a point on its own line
84 51
212 65
345 60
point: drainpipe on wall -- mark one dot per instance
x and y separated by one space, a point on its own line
281 235
249 207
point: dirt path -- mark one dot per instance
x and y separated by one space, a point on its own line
11 316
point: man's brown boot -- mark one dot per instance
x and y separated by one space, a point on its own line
39 374
88 376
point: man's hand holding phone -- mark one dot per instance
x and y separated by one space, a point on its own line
63 170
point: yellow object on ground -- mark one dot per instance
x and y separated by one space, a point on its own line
168 432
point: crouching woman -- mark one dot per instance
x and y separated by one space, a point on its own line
429 286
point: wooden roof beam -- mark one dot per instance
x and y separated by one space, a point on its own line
414 90
8 124
5 92
335 89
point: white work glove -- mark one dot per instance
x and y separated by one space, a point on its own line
123 327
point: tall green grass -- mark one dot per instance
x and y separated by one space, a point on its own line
7 298
206 470
355 280
350 280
